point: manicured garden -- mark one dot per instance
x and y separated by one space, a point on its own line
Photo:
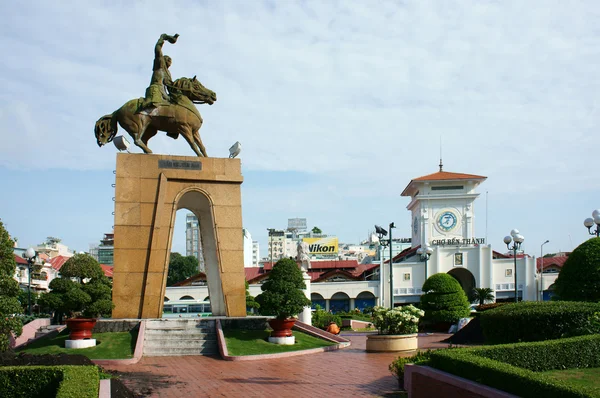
255 342
119 345
587 377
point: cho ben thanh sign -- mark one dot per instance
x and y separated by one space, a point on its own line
327 245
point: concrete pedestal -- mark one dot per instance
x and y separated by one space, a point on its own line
283 340
306 315
86 343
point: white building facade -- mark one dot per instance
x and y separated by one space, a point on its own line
442 207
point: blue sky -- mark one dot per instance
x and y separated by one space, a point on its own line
338 105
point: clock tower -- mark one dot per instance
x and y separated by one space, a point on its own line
442 206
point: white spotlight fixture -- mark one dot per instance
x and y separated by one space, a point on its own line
235 150
121 143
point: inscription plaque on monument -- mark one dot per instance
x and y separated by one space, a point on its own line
179 164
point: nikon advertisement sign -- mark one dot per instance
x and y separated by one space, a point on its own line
327 245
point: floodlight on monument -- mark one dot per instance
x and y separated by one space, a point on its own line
589 223
121 143
518 239
235 150
380 231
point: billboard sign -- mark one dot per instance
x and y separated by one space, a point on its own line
327 245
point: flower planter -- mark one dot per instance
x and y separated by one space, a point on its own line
392 342
81 328
282 327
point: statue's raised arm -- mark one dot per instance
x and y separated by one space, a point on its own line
161 41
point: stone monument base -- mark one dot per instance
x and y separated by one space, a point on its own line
85 343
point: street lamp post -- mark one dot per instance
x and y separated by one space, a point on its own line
30 256
391 268
425 252
518 239
542 273
383 243
595 219
271 243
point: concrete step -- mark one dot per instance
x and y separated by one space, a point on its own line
179 334
188 343
181 330
175 352
180 324
46 329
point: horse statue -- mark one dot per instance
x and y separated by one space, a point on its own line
178 116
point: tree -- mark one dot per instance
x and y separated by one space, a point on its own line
10 308
316 230
483 294
282 294
444 299
250 300
579 278
181 268
81 266
81 289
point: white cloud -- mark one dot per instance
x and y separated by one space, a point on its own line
352 90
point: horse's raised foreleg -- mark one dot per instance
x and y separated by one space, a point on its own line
149 133
144 133
198 142
186 132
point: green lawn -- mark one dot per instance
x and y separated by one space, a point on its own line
254 342
119 345
587 377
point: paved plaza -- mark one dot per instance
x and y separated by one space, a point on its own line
349 372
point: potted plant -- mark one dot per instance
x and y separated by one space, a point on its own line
82 293
282 297
397 328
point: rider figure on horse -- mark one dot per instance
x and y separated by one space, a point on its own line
156 93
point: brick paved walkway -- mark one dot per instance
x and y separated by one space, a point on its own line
350 372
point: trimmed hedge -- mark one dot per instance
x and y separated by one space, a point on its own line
79 382
444 299
541 356
49 381
510 367
536 321
579 278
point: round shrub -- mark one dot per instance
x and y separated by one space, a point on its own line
579 278
536 321
282 294
444 299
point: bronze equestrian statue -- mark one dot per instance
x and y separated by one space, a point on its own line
168 106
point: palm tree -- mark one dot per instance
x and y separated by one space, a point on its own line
483 294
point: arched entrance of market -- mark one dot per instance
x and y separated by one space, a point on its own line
317 299
465 278
339 302
364 300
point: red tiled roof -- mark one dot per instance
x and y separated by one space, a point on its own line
253 272
108 270
325 264
443 176
200 276
350 268
551 261
446 175
20 260
57 262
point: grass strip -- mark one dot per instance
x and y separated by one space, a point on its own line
117 345
255 342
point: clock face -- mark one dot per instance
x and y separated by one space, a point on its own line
447 221
415 226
